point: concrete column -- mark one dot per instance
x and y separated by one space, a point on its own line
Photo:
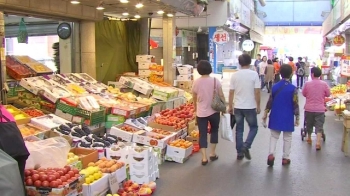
76 60
3 59
66 54
88 48
144 35
169 49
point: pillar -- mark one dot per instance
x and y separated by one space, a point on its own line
66 54
2 59
144 22
212 48
169 49
88 49
76 60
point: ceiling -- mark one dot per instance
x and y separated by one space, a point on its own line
115 8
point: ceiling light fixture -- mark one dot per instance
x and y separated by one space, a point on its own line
125 14
124 1
139 5
74 2
160 12
170 15
100 6
137 16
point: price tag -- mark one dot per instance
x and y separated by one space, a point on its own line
113 183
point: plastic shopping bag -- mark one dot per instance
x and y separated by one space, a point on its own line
225 127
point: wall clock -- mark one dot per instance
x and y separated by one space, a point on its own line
64 30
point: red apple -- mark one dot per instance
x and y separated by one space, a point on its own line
61 173
75 171
135 186
57 175
67 168
51 178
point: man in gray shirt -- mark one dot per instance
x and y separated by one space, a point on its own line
257 62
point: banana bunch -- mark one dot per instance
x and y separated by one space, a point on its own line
145 101
113 90
127 96
339 89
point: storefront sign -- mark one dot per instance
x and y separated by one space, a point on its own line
338 40
221 36
248 45
244 18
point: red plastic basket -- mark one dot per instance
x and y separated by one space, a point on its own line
195 148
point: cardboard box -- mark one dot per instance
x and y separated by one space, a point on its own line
85 155
118 153
99 187
146 139
120 174
145 65
164 93
48 122
110 124
145 58
177 133
194 140
141 155
141 169
176 159
144 72
185 69
126 81
123 135
123 111
143 88
184 77
184 84
178 152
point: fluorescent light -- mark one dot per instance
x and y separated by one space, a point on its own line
124 1
125 14
75 2
100 7
160 12
170 15
139 5
137 16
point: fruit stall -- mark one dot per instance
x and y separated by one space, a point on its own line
88 138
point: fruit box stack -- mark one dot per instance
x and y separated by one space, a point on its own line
143 87
125 132
143 165
179 151
144 64
185 73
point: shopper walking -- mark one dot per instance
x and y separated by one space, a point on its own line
203 92
315 92
257 62
245 90
300 72
282 106
262 68
276 65
307 69
291 63
269 75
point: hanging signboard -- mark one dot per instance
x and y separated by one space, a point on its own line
248 45
221 36
345 66
338 40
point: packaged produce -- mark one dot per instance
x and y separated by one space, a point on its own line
108 166
33 112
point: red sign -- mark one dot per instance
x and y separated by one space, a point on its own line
338 40
220 37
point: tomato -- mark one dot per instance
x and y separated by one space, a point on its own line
37 183
53 184
71 173
43 177
45 183
35 177
29 182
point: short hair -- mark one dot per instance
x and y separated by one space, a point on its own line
316 71
258 55
244 60
204 67
286 71
269 61
299 58
291 58
264 57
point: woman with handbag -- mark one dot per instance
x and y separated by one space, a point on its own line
11 140
283 106
209 101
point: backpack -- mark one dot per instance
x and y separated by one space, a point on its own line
301 69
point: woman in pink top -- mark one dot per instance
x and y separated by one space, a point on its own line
315 92
203 92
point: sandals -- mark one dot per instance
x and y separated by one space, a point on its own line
214 158
204 162
309 141
318 147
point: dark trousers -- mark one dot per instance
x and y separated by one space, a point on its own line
269 86
250 116
300 81
202 122
314 119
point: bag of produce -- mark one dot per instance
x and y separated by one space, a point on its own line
51 152
22 36
225 127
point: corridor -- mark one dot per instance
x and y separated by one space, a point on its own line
311 173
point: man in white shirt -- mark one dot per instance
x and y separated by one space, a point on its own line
262 68
245 90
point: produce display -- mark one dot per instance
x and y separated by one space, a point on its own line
92 174
194 134
27 130
181 143
128 129
72 158
339 89
33 112
131 188
161 132
108 166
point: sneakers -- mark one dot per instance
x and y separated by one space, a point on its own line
240 157
270 160
285 161
246 153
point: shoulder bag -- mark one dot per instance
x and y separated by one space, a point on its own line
217 104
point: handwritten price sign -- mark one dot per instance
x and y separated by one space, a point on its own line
221 37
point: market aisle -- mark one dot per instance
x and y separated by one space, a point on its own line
310 173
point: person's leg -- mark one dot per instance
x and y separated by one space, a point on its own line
319 122
287 146
272 149
239 131
309 118
251 117
262 81
298 78
270 86
301 81
214 136
203 131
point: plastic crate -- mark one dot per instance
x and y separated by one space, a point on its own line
19 71
94 117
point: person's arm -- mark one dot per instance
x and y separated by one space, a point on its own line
296 107
231 95
268 107
194 95
257 93
305 89
328 91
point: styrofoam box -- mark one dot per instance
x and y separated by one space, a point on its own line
120 155
144 72
141 169
143 88
144 58
120 174
185 69
126 136
188 77
48 122
141 179
142 157
99 187
145 65
178 152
